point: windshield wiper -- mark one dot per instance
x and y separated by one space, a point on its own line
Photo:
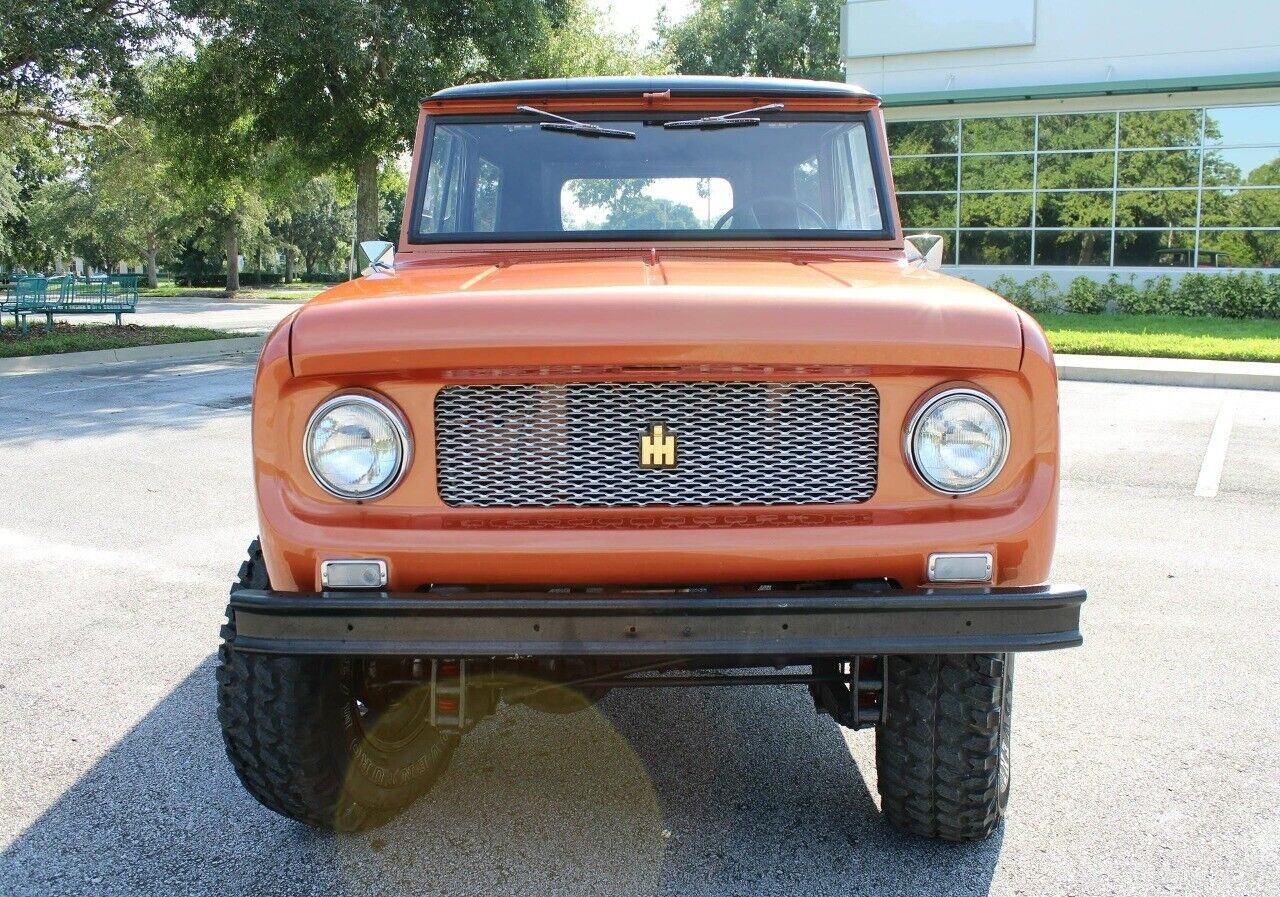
569 126
727 120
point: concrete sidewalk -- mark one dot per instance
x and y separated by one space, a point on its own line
1169 371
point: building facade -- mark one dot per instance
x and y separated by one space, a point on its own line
1080 136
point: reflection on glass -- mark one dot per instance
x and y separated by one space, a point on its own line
1256 166
998 135
1243 248
995 210
1235 125
1152 247
995 247
1159 168
995 172
925 174
1067 132
1073 247
645 203
928 209
1162 128
1076 171
1074 209
915 138
1156 208
1149 191
1240 208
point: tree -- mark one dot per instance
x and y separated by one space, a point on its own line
313 223
208 131
340 79
134 192
773 38
53 53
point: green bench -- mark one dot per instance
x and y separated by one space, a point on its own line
114 294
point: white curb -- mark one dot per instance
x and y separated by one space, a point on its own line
214 348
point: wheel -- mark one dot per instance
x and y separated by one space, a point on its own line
316 739
943 751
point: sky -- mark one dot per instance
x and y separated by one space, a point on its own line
639 15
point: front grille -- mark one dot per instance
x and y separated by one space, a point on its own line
578 444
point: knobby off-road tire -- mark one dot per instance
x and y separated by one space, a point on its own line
296 732
943 751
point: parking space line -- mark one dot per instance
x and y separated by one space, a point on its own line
1216 454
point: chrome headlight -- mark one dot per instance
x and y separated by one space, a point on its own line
356 446
958 441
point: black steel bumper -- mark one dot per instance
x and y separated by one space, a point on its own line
762 625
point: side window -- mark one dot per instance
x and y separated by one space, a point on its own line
484 204
806 185
857 207
444 177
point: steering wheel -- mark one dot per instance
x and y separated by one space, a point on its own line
749 207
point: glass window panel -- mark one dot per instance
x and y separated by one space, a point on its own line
1159 248
995 247
1066 132
995 172
1240 208
1241 125
927 210
646 203
1240 249
1166 127
1156 208
998 135
1253 165
925 174
914 138
484 205
1073 247
995 210
1159 168
1075 209
948 242
1076 171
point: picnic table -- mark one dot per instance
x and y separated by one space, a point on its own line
115 294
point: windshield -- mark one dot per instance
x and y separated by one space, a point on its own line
515 178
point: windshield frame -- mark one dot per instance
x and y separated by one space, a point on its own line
875 147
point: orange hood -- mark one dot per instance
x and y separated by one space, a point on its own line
634 308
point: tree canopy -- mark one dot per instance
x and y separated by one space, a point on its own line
773 38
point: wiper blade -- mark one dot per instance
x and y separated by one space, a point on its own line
726 120
570 126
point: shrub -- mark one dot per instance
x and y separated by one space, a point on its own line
1155 298
1005 286
1084 297
1119 293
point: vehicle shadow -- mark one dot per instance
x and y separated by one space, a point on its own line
713 791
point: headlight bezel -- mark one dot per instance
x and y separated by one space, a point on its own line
399 426
925 407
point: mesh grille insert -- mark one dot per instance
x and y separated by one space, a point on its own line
578 444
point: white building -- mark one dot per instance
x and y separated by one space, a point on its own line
1080 135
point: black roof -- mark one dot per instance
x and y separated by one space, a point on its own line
631 85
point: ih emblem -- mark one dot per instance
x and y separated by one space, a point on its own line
658 448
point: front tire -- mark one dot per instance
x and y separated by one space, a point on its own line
310 738
943 752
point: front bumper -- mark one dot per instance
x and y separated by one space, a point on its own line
769 626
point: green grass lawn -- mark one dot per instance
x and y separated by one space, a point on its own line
87 337
1164 336
169 291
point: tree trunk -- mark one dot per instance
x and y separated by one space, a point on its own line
288 264
151 262
367 199
232 236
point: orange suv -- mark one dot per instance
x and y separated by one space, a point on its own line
651 393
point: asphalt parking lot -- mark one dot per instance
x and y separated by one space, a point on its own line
1146 762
